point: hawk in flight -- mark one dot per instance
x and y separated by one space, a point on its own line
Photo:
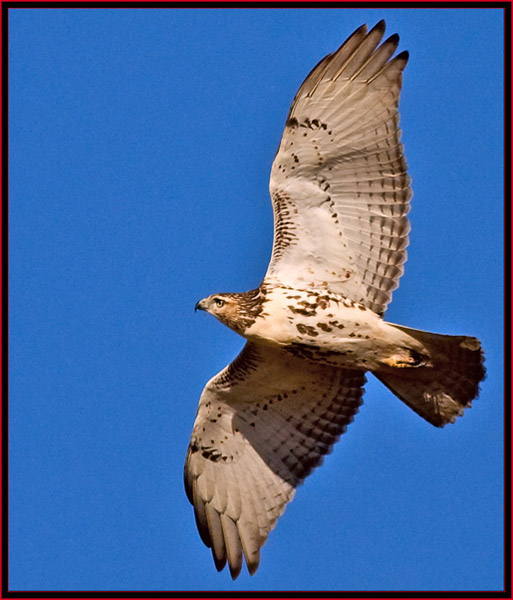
340 193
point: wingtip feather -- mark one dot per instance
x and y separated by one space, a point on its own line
232 544
394 39
358 31
252 565
216 536
401 59
380 26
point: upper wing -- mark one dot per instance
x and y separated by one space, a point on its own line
339 185
263 424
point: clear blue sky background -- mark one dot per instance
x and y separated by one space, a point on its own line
140 148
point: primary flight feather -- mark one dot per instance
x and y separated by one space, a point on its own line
340 193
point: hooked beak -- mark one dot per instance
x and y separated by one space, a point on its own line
200 305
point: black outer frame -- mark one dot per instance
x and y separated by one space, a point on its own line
508 167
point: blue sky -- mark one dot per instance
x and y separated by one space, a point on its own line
140 148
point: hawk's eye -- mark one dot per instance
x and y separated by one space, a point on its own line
219 302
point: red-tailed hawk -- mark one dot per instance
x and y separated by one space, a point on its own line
340 194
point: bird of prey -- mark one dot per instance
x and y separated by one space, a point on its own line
340 193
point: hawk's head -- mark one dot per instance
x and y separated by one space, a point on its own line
237 311
217 304
223 306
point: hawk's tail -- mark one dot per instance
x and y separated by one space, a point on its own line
439 392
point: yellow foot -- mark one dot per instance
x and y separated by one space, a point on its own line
399 360
410 358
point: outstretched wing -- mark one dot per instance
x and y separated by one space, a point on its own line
339 185
263 424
